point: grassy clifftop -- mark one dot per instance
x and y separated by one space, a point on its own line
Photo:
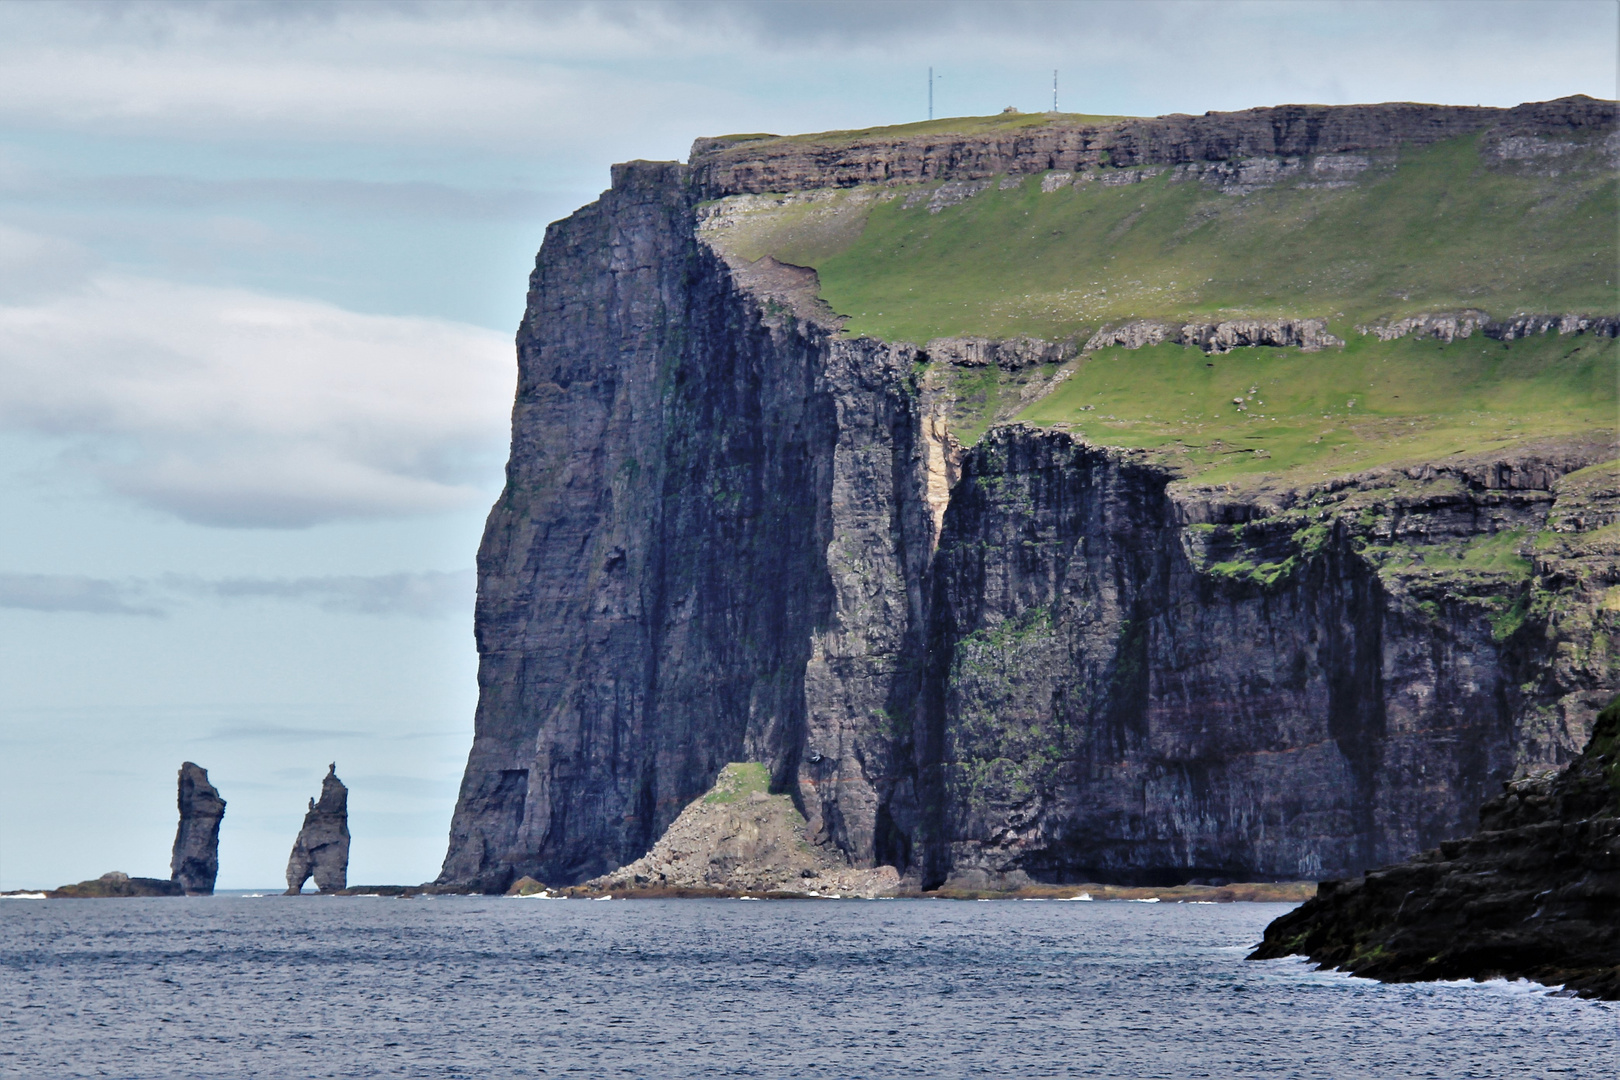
1482 222
1354 237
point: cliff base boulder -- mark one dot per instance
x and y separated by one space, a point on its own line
738 838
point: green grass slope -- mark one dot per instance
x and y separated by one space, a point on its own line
1446 227
1443 229
1320 413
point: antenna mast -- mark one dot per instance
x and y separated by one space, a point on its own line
1054 90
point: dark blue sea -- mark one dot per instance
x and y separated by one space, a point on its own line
488 987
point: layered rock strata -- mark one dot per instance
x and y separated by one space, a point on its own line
757 164
322 848
195 862
1535 893
729 534
1309 335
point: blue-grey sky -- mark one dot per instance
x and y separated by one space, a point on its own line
259 268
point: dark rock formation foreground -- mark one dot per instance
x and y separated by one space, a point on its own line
322 847
195 863
1534 894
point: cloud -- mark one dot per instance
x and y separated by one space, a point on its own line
407 200
69 592
505 75
278 733
233 408
430 594
33 266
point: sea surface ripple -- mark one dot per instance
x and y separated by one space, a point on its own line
234 986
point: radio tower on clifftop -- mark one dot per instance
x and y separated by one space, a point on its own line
1054 90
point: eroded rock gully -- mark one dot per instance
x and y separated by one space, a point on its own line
729 534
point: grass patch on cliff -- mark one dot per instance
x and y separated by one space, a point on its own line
1441 229
1371 402
739 780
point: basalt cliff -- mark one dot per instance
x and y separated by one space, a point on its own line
986 646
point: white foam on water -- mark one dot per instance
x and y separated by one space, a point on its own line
1083 896
25 896
1149 900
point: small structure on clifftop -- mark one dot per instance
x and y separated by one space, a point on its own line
322 847
195 863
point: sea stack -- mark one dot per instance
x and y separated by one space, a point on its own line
195 863
322 847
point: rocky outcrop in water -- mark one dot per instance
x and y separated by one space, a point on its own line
117 885
195 862
322 847
1535 893
730 533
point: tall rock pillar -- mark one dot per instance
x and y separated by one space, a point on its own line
195 863
322 847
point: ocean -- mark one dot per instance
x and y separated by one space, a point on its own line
248 986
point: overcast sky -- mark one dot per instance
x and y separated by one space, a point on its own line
260 264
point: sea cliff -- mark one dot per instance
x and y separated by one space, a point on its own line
985 652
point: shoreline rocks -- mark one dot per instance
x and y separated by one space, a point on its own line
1534 894
116 885
322 848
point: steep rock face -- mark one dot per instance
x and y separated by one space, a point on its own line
195 863
708 550
1134 682
322 847
1535 893
717 543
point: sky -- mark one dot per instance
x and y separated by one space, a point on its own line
260 267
